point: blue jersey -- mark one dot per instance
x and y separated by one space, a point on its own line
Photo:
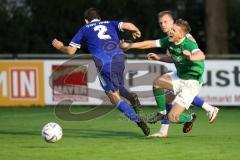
101 39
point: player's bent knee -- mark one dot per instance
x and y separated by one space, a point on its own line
158 82
155 83
114 97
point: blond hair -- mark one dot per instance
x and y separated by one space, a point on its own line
184 25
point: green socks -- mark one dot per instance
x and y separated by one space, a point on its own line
160 99
184 117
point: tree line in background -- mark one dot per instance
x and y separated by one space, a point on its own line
28 26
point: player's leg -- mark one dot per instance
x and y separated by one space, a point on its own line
124 92
159 84
212 111
184 118
110 83
160 97
174 114
125 108
122 105
167 81
165 122
131 97
163 131
188 90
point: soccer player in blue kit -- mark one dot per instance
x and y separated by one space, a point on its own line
102 40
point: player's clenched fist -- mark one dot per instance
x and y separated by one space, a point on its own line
136 34
124 45
153 56
57 44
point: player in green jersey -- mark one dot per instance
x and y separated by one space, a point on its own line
187 81
166 21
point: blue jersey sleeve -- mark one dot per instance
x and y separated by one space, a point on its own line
117 25
77 39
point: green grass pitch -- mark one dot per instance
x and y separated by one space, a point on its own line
112 137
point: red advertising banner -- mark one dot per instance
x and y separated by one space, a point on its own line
69 82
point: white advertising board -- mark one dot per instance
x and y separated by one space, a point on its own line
221 81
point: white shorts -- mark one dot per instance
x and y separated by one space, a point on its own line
185 90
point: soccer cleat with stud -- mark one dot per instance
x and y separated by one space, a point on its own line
212 115
187 127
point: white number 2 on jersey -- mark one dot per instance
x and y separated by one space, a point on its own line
101 32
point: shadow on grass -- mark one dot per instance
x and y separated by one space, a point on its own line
93 133
11 132
36 147
81 133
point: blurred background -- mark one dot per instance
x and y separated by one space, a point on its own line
28 26
29 92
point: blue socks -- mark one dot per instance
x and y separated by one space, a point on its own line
124 107
198 102
168 108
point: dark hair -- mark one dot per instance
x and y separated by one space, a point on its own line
167 12
91 14
184 25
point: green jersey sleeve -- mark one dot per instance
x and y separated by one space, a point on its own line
162 43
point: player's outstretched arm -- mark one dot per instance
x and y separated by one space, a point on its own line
65 49
131 27
195 56
138 45
163 58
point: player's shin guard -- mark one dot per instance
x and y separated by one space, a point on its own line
124 107
160 99
198 102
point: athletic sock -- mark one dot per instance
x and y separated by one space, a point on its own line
168 108
160 99
164 129
124 107
207 107
198 102
184 117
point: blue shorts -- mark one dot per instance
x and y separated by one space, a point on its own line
111 81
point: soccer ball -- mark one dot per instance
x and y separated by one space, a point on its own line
52 132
